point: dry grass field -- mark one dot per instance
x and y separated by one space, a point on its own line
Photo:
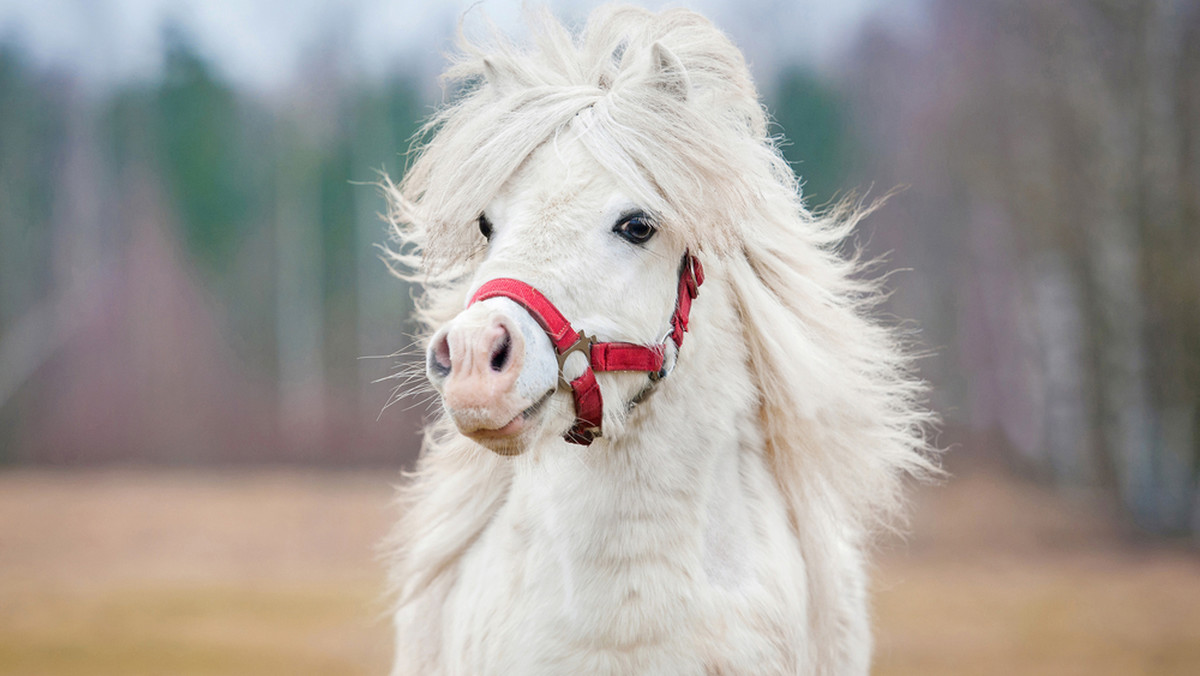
163 572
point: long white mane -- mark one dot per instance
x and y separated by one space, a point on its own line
839 405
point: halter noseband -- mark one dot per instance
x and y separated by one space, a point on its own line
589 406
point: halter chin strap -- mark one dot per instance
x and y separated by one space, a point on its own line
589 406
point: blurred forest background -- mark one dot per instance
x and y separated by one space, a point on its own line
195 325
188 272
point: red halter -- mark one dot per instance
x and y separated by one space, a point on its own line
589 406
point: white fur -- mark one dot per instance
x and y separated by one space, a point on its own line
719 526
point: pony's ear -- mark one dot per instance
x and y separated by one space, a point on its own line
668 73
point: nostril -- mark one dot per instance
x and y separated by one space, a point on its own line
501 351
439 357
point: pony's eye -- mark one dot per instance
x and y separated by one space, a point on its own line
636 228
485 227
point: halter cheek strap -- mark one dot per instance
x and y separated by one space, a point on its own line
615 356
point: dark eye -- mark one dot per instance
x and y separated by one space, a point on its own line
636 227
485 226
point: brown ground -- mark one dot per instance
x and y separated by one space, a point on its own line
140 572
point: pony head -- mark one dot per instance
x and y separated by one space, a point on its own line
584 169
577 279
586 166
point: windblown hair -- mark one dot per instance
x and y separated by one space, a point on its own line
666 103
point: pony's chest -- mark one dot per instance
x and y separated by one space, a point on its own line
636 599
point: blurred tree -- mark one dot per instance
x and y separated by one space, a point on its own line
385 119
338 241
1111 99
201 151
33 121
812 119
272 203
1060 151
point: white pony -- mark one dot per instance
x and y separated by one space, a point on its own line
717 521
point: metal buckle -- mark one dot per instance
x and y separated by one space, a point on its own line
693 280
583 343
670 358
666 342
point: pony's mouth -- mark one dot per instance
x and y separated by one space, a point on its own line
517 424
537 406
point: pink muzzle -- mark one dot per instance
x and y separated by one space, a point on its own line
615 356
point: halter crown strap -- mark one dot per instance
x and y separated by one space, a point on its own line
614 356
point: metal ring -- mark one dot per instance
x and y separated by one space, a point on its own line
583 343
